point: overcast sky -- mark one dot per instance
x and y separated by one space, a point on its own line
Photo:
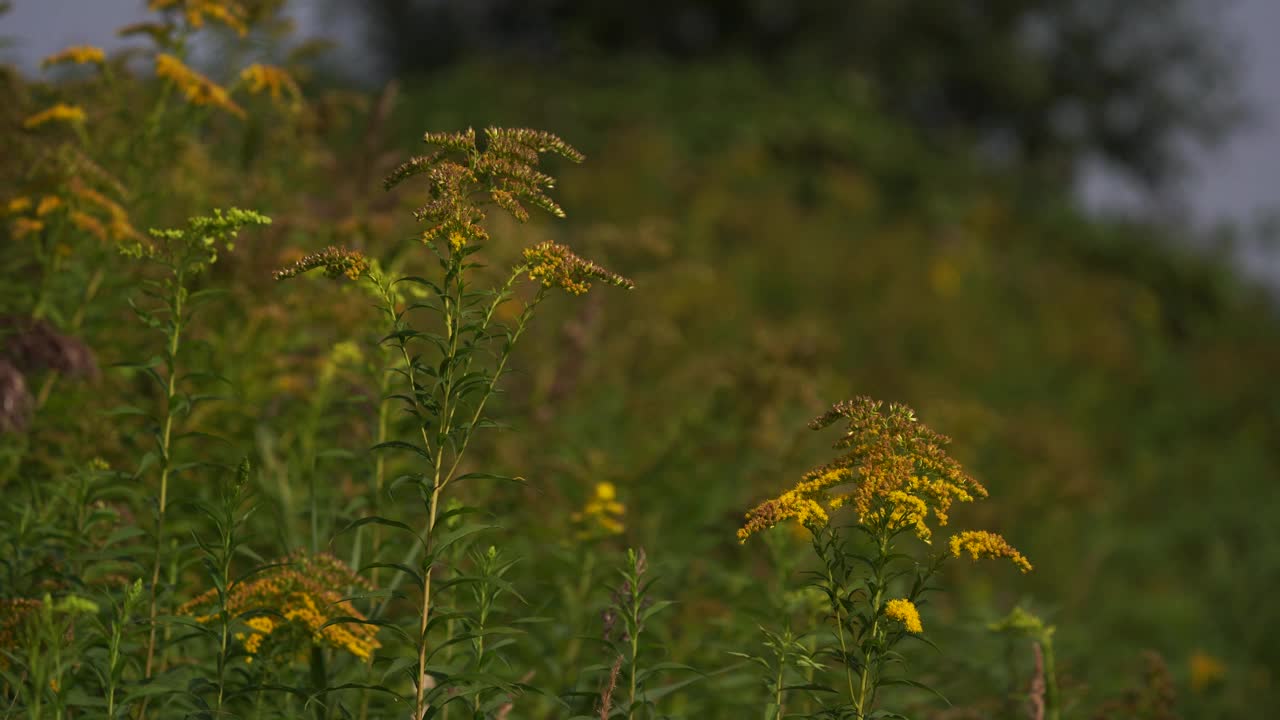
1238 182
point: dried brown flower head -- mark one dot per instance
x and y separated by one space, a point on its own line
505 170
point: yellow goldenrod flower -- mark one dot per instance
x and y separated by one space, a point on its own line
19 204
197 11
23 227
1205 670
337 262
307 591
555 265
602 512
895 468
196 88
89 224
87 194
260 78
983 544
76 55
60 112
905 612
457 241
48 204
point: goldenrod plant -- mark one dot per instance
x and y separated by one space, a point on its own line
895 475
181 254
446 380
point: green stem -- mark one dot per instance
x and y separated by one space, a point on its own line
453 309
165 464
635 654
776 711
866 695
1052 702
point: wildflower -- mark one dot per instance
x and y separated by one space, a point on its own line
555 265
505 168
89 224
87 194
19 204
61 112
791 505
271 79
76 55
48 204
905 612
983 544
896 469
304 593
23 227
198 89
336 262
604 510
262 626
197 12
1205 670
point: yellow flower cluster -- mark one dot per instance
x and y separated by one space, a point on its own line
303 593
505 168
896 469
262 627
117 226
905 612
197 12
983 544
337 262
555 265
60 112
276 81
602 512
196 88
76 55
1204 670
81 197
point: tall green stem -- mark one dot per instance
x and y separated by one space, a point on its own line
453 310
166 439
870 642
